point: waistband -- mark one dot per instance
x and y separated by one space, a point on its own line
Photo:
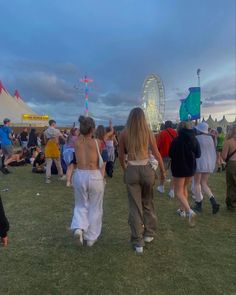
138 162
77 170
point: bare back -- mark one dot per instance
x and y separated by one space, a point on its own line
86 153
140 155
229 147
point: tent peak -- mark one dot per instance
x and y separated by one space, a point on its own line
17 94
2 87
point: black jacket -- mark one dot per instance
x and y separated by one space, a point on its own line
183 152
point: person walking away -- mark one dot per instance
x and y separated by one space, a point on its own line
52 151
135 141
229 155
219 147
88 185
69 154
100 134
33 142
24 136
205 166
6 144
164 140
183 152
110 144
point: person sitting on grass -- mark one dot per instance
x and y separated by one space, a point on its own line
39 163
4 226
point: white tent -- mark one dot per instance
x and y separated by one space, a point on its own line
24 107
14 108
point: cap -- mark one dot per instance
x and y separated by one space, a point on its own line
6 120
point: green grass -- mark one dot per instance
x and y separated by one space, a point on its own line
42 257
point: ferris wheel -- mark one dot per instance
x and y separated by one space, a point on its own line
153 101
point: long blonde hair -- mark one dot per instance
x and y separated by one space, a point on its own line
138 132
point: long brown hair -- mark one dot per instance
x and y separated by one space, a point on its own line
138 132
232 132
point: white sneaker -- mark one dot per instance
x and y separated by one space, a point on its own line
148 239
171 194
48 180
68 184
161 189
63 177
181 213
78 234
192 218
91 243
138 250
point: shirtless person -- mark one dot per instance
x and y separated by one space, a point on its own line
88 185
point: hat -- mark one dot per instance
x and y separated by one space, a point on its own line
202 127
6 120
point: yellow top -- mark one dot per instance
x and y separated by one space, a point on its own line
52 149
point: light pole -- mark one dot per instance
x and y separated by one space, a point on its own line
198 76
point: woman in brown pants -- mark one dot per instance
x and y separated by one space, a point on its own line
135 141
229 155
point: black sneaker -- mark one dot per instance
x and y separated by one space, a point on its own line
197 207
4 170
215 208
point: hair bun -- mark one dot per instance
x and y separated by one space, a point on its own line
82 119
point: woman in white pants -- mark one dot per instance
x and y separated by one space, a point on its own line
88 185
205 166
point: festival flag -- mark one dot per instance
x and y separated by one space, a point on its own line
190 106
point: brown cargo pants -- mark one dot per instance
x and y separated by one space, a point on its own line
231 185
142 218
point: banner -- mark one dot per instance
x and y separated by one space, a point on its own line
28 117
190 106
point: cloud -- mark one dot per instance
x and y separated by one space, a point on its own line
119 99
44 88
221 97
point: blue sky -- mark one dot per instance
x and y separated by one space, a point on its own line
47 46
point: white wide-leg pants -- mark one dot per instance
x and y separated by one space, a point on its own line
88 190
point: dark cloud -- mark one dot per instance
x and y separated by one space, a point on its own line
119 99
221 97
45 88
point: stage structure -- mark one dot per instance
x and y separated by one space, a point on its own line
153 101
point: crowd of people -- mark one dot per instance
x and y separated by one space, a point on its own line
85 157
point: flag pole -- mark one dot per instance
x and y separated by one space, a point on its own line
198 77
199 85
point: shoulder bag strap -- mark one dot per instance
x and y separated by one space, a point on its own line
170 134
230 155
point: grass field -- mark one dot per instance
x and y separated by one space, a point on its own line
42 257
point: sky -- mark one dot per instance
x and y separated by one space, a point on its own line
47 46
